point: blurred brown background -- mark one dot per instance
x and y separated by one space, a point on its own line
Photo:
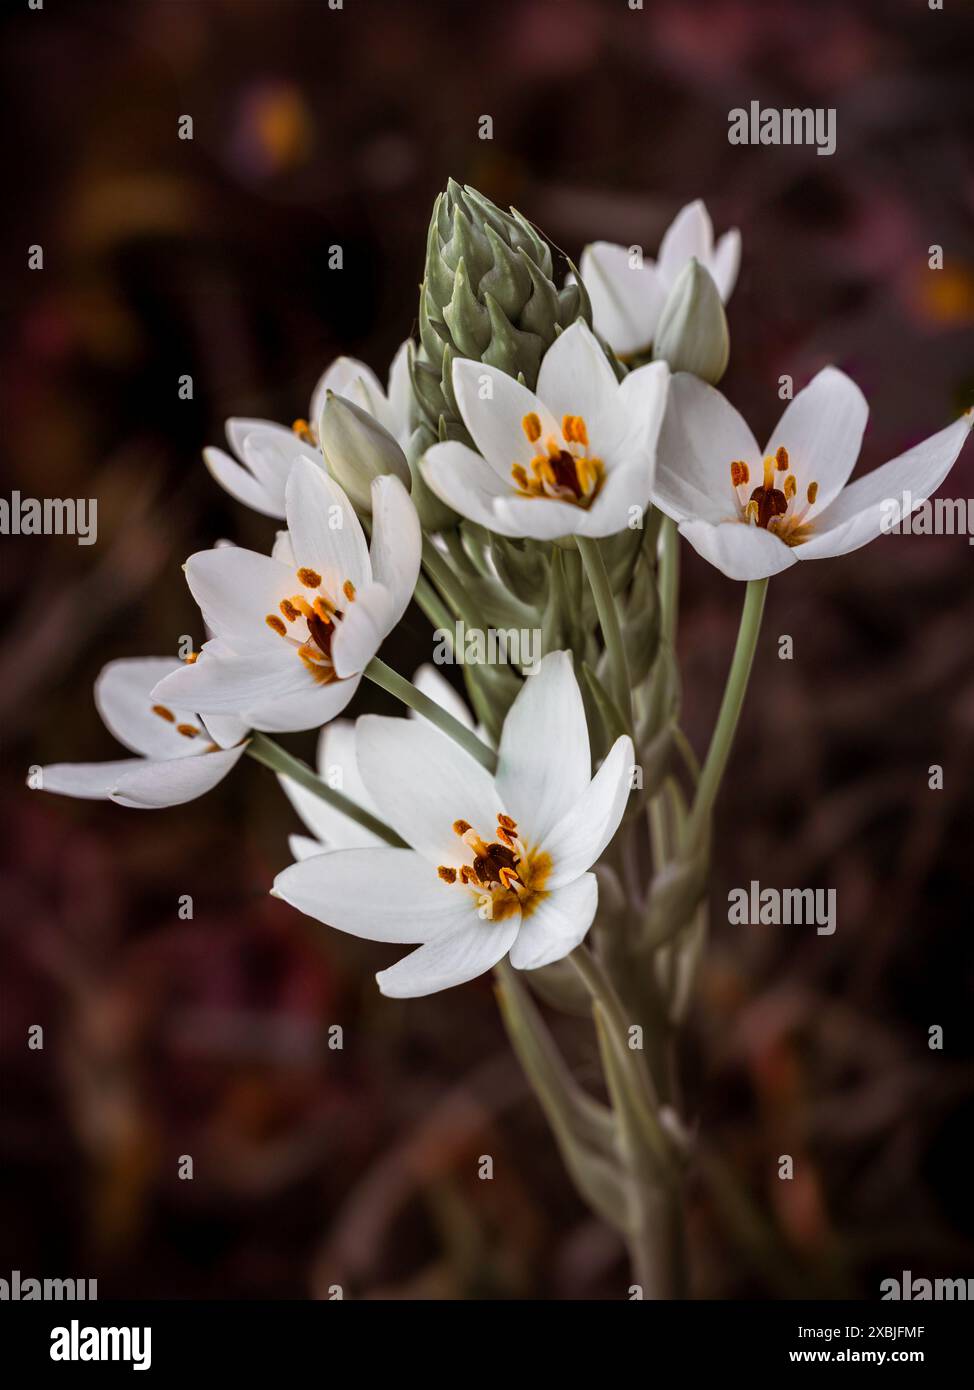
209 1037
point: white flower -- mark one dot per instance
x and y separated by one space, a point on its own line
264 452
496 864
294 630
338 768
754 514
572 459
628 299
179 758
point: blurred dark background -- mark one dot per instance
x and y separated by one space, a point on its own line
209 1037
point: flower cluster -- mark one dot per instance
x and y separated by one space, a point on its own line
519 467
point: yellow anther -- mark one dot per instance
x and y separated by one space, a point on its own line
164 713
531 426
812 493
791 486
519 475
191 658
460 827
289 610
781 459
751 512
348 589
740 473
304 431
446 874
187 730
309 577
322 609
273 621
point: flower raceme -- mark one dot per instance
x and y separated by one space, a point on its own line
179 757
263 452
495 865
573 459
752 513
627 300
293 631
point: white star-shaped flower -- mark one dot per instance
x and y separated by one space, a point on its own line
496 865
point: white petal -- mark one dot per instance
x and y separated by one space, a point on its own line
241 483
123 696
691 233
451 959
397 542
625 487
269 451
173 781
857 514
236 589
364 625
583 833
547 519
326 535
307 708
702 436
421 782
337 762
302 847
738 550
725 263
226 729
283 551
626 300
544 764
643 395
494 406
465 481
557 924
436 687
400 393
575 379
380 894
224 683
822 430
92 781
352 379
330 827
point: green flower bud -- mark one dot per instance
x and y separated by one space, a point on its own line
692 335
357 449
489 294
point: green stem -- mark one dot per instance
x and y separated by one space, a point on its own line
605 606
669 577
449 584
264 750
730 710
389 680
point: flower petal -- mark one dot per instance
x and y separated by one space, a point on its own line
302 847
379 894
691 233
436 687
544 763
173 781
92 781
557 924
226 729
626 300
859 512
494 406
397 542
465 481
353 380
702 436
822 430
575 379
241 483
547 518
451 959
738 550
583 833
306 708
236 589
123 696
400 392
221 682
362 629
269 451
725 263
326 535
421 782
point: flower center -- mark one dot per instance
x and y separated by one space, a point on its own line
504 875
564 469
315 621
774 508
